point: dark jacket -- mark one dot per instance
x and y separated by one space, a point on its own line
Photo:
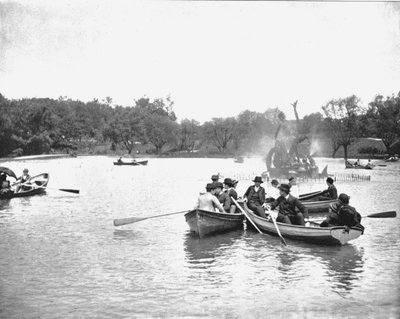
331 192
288 206
257 198
225 201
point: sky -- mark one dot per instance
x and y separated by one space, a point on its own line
214 59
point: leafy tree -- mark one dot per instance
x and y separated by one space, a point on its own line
341 121
187 135
220 132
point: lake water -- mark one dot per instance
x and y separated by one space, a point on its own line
61 256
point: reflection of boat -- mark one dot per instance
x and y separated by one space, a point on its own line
37 185
338 235
134 163
204 223
357 166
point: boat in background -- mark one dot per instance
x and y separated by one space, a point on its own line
205 223
133 163
36 186
338 235
355 166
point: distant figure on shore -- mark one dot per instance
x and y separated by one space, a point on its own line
342 214
255 197
208 201
23 179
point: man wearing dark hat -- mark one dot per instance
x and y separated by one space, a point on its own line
223 197
342 214
208 201
331 192
255 197
287 205
230 190
215 178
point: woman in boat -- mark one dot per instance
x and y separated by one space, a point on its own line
23 179
342 214
208 201
223 197
287 205
255 197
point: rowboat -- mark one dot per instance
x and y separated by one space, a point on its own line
338 235
37 185
204 223
318 207
353 165
392 159
134 163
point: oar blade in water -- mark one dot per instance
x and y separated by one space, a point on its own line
126 221
75 191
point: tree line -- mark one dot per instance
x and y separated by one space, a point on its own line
41 125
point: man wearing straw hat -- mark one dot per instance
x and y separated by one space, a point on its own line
255 197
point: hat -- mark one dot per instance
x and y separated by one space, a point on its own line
218 184
26 170
274 182
329 180
258 179
344 198
215 177
228 182
285 188
291 179
210 186
234 182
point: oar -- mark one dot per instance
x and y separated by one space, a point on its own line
309 194
277 228
247 216
131 220
388 214
75 191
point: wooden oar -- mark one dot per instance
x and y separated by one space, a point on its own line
245 214
388 214
309 194
131 220
75 191
277 228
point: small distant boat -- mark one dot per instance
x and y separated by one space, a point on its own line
133 163
355 166
36 186
338 235
205 223
239 159
392 159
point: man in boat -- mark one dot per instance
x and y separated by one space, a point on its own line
222 196
331 192
293 187
120 160
23 179
255 197
215 178
230 190
208 201
273 193
287 205
5 188
342 214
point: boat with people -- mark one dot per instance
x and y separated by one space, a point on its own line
394 158
205 223
337 235
133 163
35 186
358 166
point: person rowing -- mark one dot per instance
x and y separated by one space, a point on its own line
287 205
208 201
331 192
23 179
342 214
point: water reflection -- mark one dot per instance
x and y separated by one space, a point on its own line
125 234
204 251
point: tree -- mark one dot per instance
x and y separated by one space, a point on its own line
187 135
382 120
342 122
220 132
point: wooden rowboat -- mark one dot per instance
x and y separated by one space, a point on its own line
352 165
338 235
318 207
36 186
134 163
204 223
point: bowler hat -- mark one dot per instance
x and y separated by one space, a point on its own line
285 188
228 182
215 177
234 182
329 180
258 179
218 184
344 198
274 182
210 186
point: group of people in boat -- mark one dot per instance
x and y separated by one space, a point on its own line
281 197
20 183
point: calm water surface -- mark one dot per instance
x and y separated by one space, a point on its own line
61 256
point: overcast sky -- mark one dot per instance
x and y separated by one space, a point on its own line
215 59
